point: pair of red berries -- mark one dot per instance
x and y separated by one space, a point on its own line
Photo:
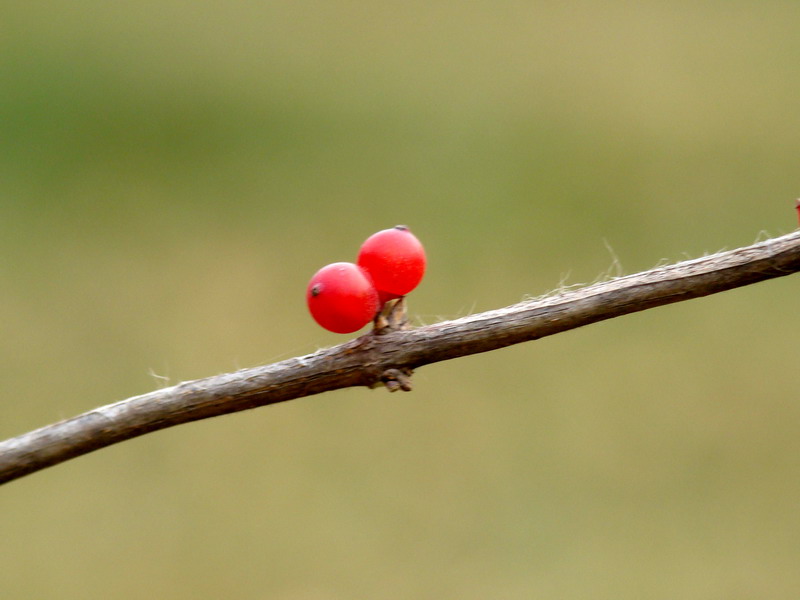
343 297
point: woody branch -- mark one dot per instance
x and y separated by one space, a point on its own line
390 358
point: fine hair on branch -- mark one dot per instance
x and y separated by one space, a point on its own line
388 356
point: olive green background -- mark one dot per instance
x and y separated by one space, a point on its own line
172 173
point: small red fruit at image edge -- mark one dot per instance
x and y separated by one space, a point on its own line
341 298
395 259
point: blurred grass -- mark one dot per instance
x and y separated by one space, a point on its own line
171 173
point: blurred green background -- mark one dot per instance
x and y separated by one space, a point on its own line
172 173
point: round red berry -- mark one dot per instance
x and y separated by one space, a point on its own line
342 298
395 259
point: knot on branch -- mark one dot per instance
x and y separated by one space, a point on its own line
390 319
397 379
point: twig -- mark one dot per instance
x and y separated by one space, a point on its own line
390 358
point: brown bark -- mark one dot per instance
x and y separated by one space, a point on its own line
389 358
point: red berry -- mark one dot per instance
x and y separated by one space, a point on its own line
341 298
395 259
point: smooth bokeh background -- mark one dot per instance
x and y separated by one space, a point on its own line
172 173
